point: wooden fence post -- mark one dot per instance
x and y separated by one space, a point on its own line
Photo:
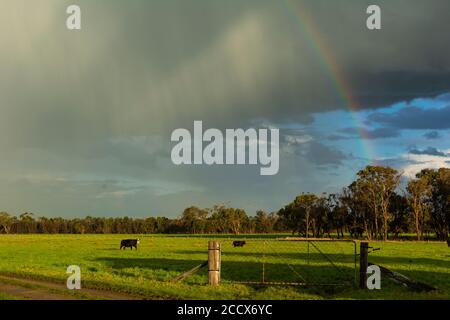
214 263
363 264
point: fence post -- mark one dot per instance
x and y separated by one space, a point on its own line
363 264
214 263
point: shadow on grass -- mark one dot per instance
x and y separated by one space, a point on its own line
320 279
315 256
243 271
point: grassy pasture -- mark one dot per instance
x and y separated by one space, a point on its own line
148 271
4 296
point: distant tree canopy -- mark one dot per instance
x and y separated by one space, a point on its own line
371 205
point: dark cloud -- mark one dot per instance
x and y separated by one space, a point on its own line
84 103
432 135
151 66
304 144
383 88
414 118
364 133
398 162
429 151
444 97
321 154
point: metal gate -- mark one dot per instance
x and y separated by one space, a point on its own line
290 261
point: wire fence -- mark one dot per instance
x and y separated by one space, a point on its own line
301 262
260 261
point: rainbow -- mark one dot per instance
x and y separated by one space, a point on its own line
311 32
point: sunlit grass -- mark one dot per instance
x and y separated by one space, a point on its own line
159 259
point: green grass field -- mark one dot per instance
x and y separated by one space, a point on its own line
4 296
159 259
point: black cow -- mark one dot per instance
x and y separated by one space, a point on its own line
238 243
356 232
448 242
129 243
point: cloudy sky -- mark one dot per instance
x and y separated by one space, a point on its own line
86 116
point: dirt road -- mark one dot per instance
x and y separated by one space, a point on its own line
21 288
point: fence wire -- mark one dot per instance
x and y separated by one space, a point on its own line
290 262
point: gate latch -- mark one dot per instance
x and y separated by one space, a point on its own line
373 249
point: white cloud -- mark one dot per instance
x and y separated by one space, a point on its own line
417 162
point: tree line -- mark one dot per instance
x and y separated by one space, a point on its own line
377 205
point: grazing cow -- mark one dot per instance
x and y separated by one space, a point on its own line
448 242
238 243
356 232
129 243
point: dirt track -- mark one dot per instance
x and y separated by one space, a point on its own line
21 288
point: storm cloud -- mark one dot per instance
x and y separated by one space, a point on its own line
429 151
365 133
414 118
432 135
99 104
